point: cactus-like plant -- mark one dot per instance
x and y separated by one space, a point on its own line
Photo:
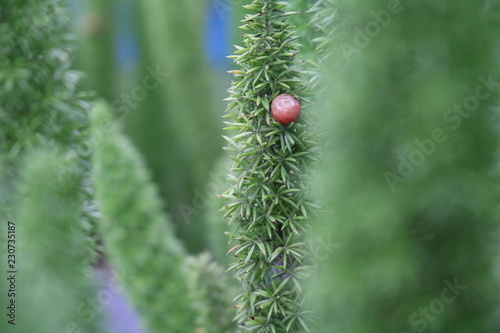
172 291
268 196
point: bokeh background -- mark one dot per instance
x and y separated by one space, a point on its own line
175 120
406 220
162 65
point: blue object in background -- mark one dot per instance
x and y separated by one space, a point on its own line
217 34
127 49
217 39
120 316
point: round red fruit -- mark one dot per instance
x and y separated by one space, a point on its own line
285 109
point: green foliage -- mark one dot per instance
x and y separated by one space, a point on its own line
96 48
216 225
175 126
52 260
407 180
302 22
267 199
212 294
40 108
39 102
138 237
171 290
325 21
37 87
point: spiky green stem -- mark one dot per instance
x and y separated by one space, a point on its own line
268 195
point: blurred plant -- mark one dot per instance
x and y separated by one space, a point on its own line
176 126
267 199
212 294
403 239
324 22
302 23
38 96
40 104
171 291
96 48
137 235
40 108
217 226
53 253
325 19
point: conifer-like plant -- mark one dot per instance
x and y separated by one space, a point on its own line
267 199
137 235
39 101
53 252
173 292
41 109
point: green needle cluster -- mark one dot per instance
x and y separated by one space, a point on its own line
268 196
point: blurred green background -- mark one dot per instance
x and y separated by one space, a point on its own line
162 66
393 244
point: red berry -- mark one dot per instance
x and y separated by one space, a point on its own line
285 109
